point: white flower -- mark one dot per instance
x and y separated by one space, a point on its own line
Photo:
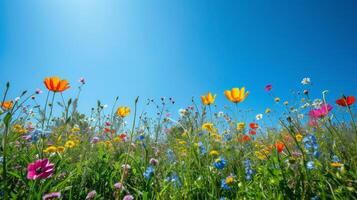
17 99
259 116
305 105
306 81
182 112
301 116
220 114
317 103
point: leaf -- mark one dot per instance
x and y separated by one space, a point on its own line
7 119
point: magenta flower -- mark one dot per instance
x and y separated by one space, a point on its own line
91 194
118 186
320 112
268 87
40 169
52 195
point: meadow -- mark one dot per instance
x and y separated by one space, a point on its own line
52 151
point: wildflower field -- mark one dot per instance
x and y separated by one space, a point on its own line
51 150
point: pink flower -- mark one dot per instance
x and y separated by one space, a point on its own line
128 197
91 194
82 80
94 140
108 123
118 186
38 91
52 195
153 161
320 112
268 87
40 169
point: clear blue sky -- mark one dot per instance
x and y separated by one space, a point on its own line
180 48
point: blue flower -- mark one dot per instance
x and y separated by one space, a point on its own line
36 134
149 172
310 165
220 163
202 148
310 144
140 137
171 155
248 170
227 182
335 159
227 137
175 179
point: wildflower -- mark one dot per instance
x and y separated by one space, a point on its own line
82 80
236 95
220 114
245 138
286 103
40 169
298 137
321 112
128 197
268 87
346 101
91 194
306 92
279 146
240 126
208 99
60 149
214 153
336 162
260 155
175 179
301 116
70 144
220 163
183 112
317 103
149 172
252 132
51 196
208 126
306 81
259 116
123 111
95 140
171 155
153 161
75 129
202 148
310 144
55 84
18 128
50 149
267 110
310 165
248 169
6 105
38 91
253 125
227 182
118 186
277 99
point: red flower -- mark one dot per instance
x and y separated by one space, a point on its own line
252 132
346 101
246 138
253 125
122 136
268 87
279 146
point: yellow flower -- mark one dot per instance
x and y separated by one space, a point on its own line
18 128
277 99
182 142
60 149
208 99
217 137
267 110
123 111
108 143
286 102
70 144
229 180
208 126
75 129
336 164
260 155
240 126
214 153
236 95
298 137
50 149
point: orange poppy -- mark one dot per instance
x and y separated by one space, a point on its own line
279 146
346 101
236 95
7 105
55 84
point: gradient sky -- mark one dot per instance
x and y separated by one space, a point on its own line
180 48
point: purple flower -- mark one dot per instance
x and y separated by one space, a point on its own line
153 161
118 186
52 195
91 194
95 140
268 87
128 197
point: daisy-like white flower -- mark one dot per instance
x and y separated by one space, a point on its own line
259 116
306 81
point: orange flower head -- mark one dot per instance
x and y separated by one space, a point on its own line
123 111
6 105
55 84
208 99
236 95
279 146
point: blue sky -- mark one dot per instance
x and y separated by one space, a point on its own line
180 48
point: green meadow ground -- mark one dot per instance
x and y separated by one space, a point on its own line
203 154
